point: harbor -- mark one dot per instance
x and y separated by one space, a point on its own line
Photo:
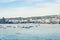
37 32
4 26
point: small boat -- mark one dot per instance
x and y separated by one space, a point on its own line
28 27
8 26
19 26
14 27
2 26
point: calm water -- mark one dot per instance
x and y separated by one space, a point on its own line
37 32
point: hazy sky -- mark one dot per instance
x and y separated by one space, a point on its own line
27 8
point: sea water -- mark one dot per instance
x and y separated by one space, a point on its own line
37 32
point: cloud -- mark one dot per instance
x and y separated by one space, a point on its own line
58 1
40 7
41 1
29 1
29 11
26 3
6 1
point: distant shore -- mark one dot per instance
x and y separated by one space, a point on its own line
51 19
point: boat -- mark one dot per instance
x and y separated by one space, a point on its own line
27 27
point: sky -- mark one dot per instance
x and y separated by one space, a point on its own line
28 8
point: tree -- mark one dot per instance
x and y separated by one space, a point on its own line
3 20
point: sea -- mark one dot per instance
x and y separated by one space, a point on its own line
30 31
